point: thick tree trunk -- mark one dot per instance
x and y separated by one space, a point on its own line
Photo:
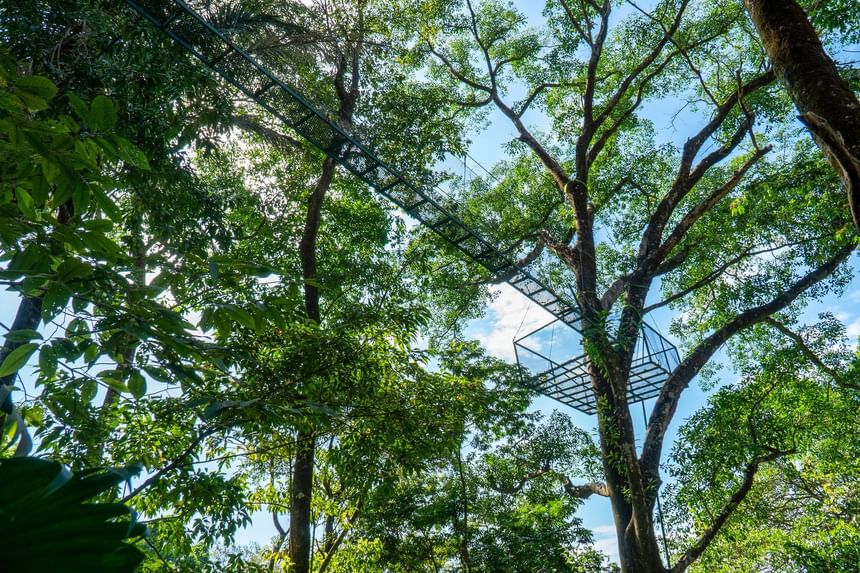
638 550
28 317
826 102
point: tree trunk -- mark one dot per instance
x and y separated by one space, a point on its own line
826 102
638 550
301 490
300 503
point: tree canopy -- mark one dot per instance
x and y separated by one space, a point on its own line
197 290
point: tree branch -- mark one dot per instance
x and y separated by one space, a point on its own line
688 176
810 355
706 205
727 510
679 379
585 491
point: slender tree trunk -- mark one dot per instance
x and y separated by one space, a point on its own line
300 502
826 102
96 452
301 490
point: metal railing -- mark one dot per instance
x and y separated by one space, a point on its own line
426 203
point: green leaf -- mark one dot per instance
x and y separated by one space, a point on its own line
17 358
55 300
23 335
79 107
25 203
105 203
47 362
241 316
130 153
157 373
81 197
88 390
109 377
137 384
102 114
38 86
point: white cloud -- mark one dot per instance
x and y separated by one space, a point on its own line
853 329
606 541
511 315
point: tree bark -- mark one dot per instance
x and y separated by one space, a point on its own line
826 102
300 502
301 490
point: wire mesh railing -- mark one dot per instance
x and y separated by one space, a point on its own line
435 208
567 379
216 50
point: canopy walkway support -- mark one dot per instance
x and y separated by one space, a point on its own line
215 49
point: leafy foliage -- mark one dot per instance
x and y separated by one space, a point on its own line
49 516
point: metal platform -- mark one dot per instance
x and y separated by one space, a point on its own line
424 202
567 381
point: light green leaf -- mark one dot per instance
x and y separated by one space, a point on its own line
102 114
137 384
17 358
25 203
23 335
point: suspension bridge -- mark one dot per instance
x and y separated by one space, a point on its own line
564 380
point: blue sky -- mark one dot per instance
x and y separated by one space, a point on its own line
511 313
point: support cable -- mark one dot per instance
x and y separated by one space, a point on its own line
421 200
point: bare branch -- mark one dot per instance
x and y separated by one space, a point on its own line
524 106
727 510
586 490
591 73
688 176
641 66
454 71
699 283
523 262
810 355
679 379
555 169
707 204
565 252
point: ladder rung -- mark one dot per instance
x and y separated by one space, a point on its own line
302 120
443 221
170 19
368 170
397 181
411 207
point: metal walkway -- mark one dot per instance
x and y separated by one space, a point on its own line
236 66
567 379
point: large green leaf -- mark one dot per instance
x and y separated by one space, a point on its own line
17 358
49 522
